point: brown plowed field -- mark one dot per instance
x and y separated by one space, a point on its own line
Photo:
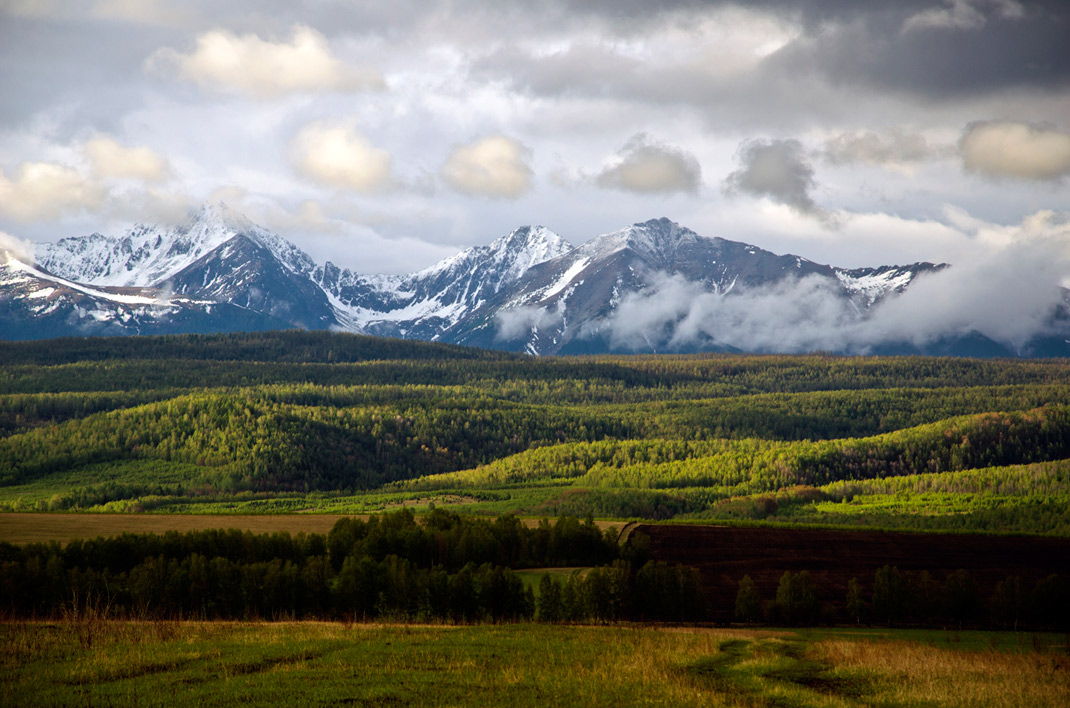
725 554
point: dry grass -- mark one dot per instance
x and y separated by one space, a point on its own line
37 528
233 663
908 673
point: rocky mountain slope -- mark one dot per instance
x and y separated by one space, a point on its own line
653 286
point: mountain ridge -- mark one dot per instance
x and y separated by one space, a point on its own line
527 291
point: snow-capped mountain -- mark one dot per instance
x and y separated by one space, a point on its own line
653 286
36 304
425 304
559 305
145 256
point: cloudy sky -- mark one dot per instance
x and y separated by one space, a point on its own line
387 135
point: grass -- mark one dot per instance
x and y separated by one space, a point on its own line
89 662
41 528
28 527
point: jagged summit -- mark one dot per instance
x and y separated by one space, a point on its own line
147 255
652 286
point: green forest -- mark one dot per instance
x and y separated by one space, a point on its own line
338 423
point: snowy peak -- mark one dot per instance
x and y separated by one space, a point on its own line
656 241
145 256
509 256
218 213
869 285
528 290
526 247
151 255
426 303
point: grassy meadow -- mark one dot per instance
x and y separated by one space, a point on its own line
86 661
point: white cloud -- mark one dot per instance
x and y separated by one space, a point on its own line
649 167
110 159
340 157
892 149
47 191
495 166
1009 149
265 69
518 322
1006 289
22 250
147 12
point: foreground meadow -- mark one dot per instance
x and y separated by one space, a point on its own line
91 662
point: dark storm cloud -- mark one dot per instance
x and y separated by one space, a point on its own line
942 55
932 49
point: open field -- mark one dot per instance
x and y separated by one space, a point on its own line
40 528
87 662
32 527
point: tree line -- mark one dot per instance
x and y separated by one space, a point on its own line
897 598
449 567
446 567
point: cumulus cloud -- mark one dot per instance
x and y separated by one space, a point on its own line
1010 149
779 170
338 156
263 68
110 159
893 149
46 191
649 167
495 166
1007 291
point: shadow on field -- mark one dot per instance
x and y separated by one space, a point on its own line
774 673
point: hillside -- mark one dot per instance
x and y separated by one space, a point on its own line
335 422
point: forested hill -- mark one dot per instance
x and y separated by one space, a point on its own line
298 420
292 346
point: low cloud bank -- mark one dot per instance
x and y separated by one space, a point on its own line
1007 293
519 322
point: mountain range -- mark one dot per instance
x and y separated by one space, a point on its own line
655 286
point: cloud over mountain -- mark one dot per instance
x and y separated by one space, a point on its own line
778 170
338 156
495 166
645 165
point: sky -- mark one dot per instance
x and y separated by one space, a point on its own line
385 136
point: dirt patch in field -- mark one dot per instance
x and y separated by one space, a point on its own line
725 554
